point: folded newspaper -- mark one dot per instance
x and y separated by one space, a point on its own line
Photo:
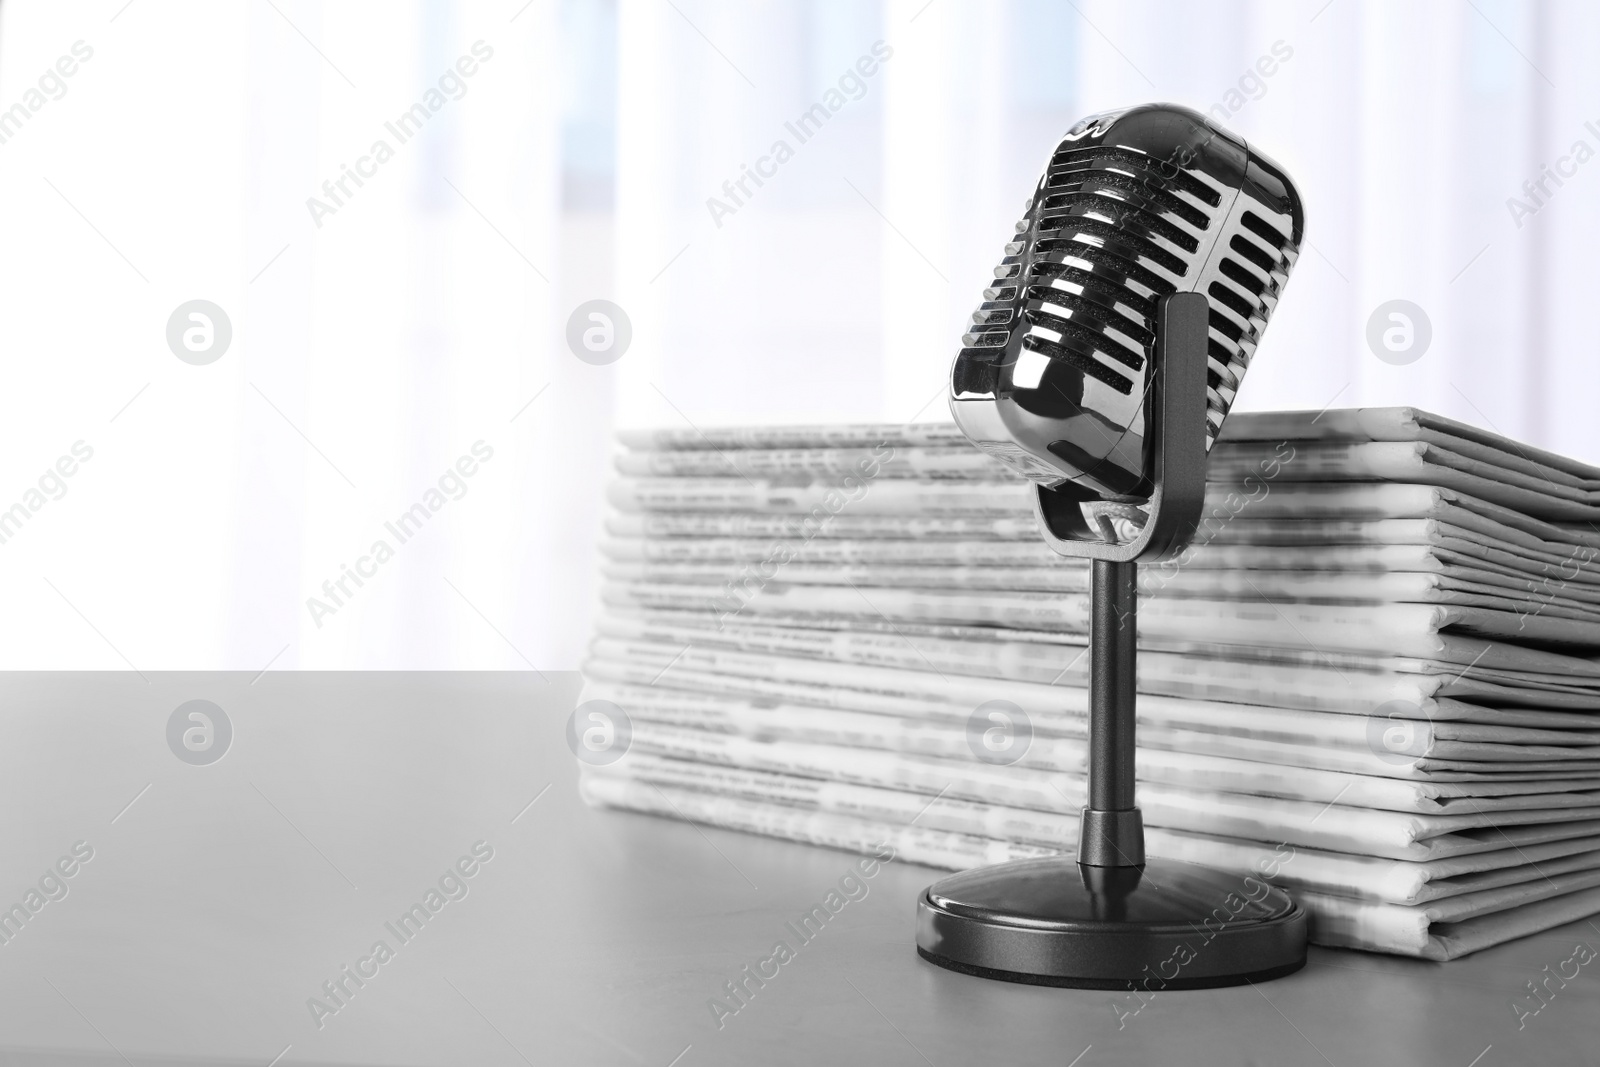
1373 679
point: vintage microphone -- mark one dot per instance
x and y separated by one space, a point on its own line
1101 365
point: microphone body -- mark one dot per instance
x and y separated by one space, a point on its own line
1054 377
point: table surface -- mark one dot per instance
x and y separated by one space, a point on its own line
220 897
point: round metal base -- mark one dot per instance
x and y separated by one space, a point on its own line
1161 926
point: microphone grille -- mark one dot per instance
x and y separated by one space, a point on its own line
1125 213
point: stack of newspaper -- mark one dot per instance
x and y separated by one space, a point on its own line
1372 679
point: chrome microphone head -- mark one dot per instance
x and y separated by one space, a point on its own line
1054 376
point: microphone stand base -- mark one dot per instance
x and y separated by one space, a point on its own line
1164 925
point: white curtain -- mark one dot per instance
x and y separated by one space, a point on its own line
1408 126
372 352
369 352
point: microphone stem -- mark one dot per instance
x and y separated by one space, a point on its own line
1113 832
1113 682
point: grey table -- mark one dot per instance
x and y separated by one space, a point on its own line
221 897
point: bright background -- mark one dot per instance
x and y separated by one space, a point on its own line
429 312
